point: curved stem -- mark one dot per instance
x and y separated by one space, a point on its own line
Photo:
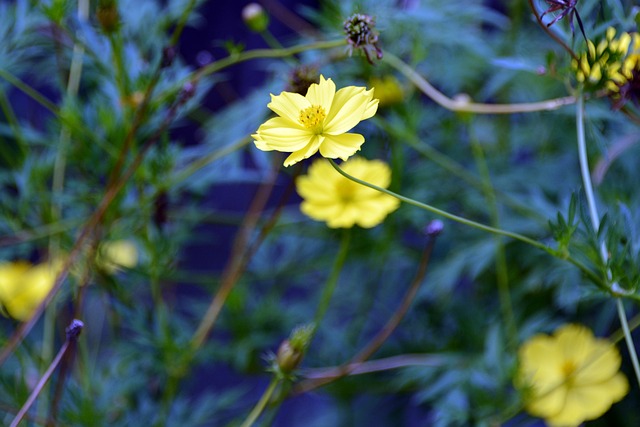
585 270
445 214
471 107
550 33
237 58
262 403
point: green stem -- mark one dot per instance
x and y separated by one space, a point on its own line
446 214
237 58
198 164
585 270
502 274
262 403
332 281
12 120
595 220
57 189
455 168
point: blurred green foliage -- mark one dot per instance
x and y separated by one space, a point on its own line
185 202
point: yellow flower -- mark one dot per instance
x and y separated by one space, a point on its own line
570 377
114 255
23 286
387 89
316 122
342 203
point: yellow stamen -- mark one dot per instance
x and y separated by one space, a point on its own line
313 117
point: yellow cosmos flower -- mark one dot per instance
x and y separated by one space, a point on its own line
316 122
570 377
112 256
342 203
23 286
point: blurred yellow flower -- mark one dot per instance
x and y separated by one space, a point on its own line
342 203
387 89
24 286
316 122
570 377
114 255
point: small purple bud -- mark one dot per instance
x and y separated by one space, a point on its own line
74 329
434 228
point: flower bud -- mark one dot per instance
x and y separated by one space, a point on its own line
301 78
361 34
108 16
292 350
288 358
255 17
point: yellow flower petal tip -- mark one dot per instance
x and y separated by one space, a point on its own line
24 286
570 377
316 122
115 255
341 203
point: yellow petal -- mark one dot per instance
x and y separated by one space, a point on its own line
288 105
278 134
341 146
305 152
372 107
348 108
322 93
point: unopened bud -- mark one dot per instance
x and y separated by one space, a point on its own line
288 358
108 16
255 17
301 78
292 350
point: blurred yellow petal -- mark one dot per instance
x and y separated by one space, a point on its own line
341 203
570 377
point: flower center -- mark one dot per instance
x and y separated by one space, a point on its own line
346 191
568 369
313 118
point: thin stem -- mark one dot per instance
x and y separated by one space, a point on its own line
471 107
12 120
182 22
237 58
330 285
446 214
85 235
584 165
628 339
36 96
383 334
384 364
455 168
502 274
551 33
57 189
72 335
262 403
590 274
201 162
595 220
